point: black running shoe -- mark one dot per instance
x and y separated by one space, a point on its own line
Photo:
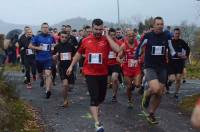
48 94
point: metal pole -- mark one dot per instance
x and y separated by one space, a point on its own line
118 12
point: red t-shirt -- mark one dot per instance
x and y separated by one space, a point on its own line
112 54
96 55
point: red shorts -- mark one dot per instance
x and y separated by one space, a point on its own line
131 72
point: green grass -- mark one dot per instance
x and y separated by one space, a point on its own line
12 67
15 115
193 71
188 103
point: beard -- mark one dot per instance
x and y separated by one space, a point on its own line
98 35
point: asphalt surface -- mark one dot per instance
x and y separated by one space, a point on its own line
116 117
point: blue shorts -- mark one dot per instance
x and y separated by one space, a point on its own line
43 65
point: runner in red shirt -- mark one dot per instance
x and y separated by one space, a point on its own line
131 69
96 49
114 68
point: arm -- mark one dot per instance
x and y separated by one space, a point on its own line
139 48
120 54
31 46
76 58
171 48
114 46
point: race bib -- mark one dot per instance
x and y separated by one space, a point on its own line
158 50
132 63
52 46
183 52
112 55
65 56
95 58
29 51
46 47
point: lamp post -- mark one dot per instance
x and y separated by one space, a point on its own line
118 12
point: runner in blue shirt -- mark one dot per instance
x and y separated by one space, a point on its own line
42 43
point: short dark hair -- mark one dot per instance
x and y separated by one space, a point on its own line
97 22
68 26
80 30
177 29
62 32
118 29
74 30
135 30
45 23
112 30
86 27
157 18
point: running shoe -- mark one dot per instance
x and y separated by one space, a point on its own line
151 119
99 127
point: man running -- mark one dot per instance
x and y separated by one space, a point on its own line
114 68
42 44
157 43
131 70
64 52
96 49
176 64
29 59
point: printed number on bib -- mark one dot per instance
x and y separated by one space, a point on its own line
29 51
95 58
46 47
65 56
132 63
158 50
112 55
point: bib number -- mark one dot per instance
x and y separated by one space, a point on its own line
29 51
158 50
112 55
65 56
46 47
95 58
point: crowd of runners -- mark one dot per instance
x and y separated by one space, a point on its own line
106 57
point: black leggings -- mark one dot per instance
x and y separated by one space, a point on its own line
97 86
30 66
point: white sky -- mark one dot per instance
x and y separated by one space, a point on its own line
34 12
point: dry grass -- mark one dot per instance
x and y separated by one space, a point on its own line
188 103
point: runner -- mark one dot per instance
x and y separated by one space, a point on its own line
176 64
64 52
28 57
22 52
42 44
131 70
96 50
157 42
114 68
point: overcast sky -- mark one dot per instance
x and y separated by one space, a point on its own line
37 11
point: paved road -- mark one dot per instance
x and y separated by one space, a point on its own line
115 117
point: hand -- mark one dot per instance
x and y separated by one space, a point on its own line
69 70
106 31
55 57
